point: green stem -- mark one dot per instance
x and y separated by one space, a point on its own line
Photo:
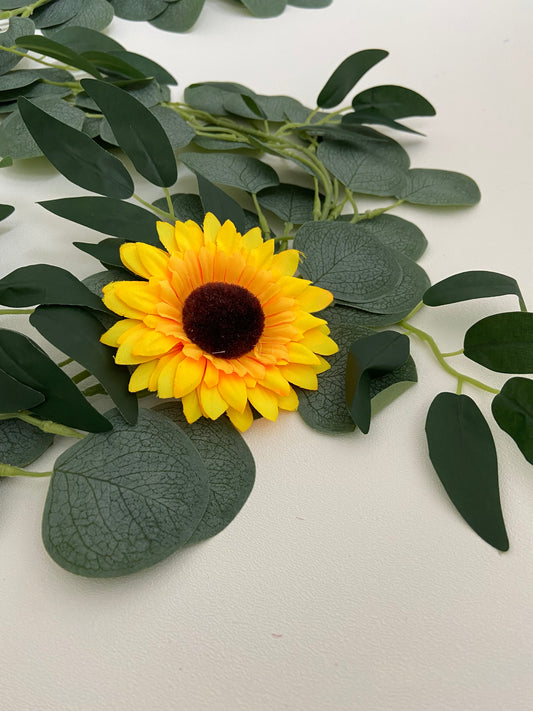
461 377
157 210
370 214
265 227
454 353
8 470
169 204
5 312
20 53
44 425
25 11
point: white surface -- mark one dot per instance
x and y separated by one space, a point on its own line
348 582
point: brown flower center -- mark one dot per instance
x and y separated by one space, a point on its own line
225 320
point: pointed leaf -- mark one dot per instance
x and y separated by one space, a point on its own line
123 501
5 211
462 451
15 396
502 342
107 251
346 76
22 443
84 39
513 411
146 66
75 155
471 285
229 463
220 204
50 48
137 131
76 333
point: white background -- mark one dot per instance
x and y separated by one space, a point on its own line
348 581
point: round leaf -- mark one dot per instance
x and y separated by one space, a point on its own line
425 186
22 443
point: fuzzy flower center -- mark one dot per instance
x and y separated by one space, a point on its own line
225 320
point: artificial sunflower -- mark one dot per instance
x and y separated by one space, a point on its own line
220 322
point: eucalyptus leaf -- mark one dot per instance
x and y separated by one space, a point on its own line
123 501
396 233
291 203
260 8
15 396
56 13
214 97
502 342
393 102
282 108
51 48
471 285
310 3
18 27
45 284
513 411
24 361
238 171
178 16
113 65
94 14
373 355
108 216
215 144
229 463
75 155
462 451
373 116
346 76
5 211
220 204
187 206
138 10
179 132
350 315
22 443
425 186
137 131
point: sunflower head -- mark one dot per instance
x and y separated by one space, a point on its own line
219 321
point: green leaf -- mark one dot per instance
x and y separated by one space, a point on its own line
179 16
260 8
113 65
187 206
393 102
15 396
282 108
373 116
16 140
220 204
346 76
6 162
310 3
123 501
109 216
237 171
424 186
139 10
462 451
24 361
373 355
179 132
84 39
76 333
56 13
5 211
94 14
229 463
347 260
45 284
18 27
513 411
502 342
75 155
107 251
146 66
21 443
219 98
471 285
214 144
290 203
50 48
137 131
396 233
357 317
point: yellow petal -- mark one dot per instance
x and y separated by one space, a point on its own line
189 374
319 342
140 378
144 260
187 238
286 262
211 228
211 374
205 258
241 420
166 236
153 344
290 402
314 299
298 353
275 381
140 296
233 391
118 329
125 354
165 381
253 238
227 237
264 401
304 376
191 407
211 402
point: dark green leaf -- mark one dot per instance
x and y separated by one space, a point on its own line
187 206
393 101
238 171
56 13
6 162
513 411
260 8
76 333
373 355
282 108
15 396
461 449
139 10
471 285
290 203
502 342
107 251
21 358
18 27
346 76
111 64
109 216
179 16
220 204
45 284
5 211
146 66
137 131
84 39
424 186
21 443
50 48
373 116
229 464
75 155
123 501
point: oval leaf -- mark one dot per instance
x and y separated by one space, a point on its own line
462 451
123 501
471 285
179 16
425 186
502 342
76 333
513 411
75 155
238 171
346 76
394 102
22 443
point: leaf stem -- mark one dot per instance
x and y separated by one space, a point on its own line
8 470
170 205
44 425
25 11
263 223
6 312
157 210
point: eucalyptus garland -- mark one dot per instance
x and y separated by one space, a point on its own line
145 482
170 15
